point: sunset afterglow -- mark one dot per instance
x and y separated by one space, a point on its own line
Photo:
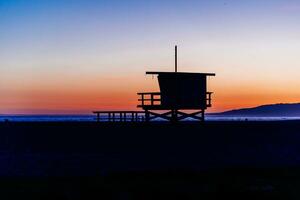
72 57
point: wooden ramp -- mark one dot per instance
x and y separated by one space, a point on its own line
120 116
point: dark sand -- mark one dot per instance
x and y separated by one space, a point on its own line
241 160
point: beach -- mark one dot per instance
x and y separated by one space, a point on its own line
213 158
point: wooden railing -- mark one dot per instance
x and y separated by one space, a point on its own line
154 99
208 99
149 98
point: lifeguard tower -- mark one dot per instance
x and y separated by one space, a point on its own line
182 95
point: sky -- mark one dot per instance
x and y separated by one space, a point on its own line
75 56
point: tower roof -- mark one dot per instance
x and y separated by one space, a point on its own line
183 73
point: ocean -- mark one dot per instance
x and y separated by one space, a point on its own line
91 118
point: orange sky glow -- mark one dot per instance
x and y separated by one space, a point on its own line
58 57
84 96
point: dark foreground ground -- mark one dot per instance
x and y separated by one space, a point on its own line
239 160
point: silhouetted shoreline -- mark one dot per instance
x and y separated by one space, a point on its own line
268 110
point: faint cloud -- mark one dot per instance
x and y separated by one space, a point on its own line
291 7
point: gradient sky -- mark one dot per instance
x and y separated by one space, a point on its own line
71 56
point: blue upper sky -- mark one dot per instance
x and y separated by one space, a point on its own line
53 44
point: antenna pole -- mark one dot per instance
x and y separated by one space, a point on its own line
175 58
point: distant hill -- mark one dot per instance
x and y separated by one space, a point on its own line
272 110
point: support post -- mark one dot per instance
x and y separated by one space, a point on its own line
152 99
202 116
147 116
142 99
121 116
174 117
98 117
109 117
